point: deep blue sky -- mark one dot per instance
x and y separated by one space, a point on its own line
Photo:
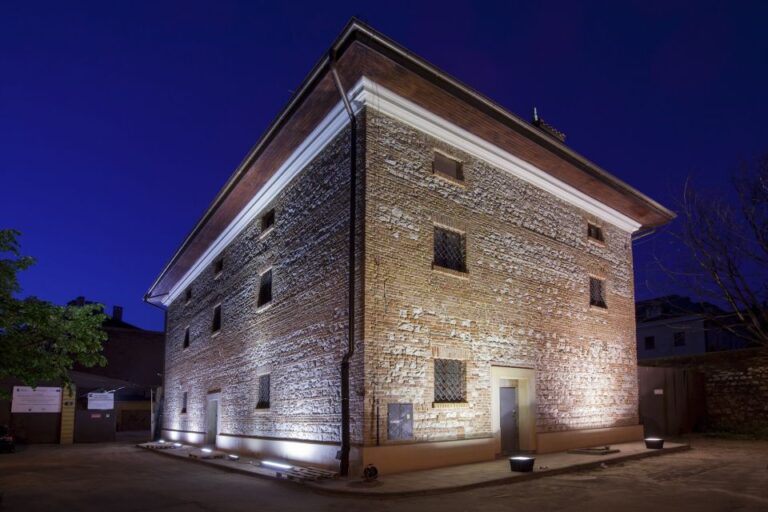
119 121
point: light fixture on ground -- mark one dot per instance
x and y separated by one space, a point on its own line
521 464
162 441
206 450
177 445
654 443
277 465
232 456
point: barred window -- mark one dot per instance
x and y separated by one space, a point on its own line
450 381
186 337
650 342
447 166
263 402
265 288
268 220
597 292
216 326
595 232
184 403
679 339
450 249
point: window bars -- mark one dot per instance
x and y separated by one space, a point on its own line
450 380
450 249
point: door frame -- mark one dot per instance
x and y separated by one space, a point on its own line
526 402
210 398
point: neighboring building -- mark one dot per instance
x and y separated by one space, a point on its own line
135 360
672 326
494 307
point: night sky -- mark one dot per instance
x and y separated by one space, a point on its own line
119 121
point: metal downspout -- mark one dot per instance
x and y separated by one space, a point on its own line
345 419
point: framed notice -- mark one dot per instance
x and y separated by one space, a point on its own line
101 401
39 399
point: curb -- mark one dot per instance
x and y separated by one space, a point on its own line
523 477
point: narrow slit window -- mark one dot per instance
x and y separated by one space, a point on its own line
447 166
188 295
597 292
450 381
186 337
268 220
265 288
264 392
595 232
184 403
218 266
216 325
450 250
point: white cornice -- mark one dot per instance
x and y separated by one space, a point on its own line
369 94
387 102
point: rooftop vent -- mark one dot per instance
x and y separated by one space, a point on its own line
546 128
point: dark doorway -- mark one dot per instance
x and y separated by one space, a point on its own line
509 412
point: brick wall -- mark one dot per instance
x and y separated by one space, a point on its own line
737 393
524 301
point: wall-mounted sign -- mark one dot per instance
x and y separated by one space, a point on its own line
101 401
39 399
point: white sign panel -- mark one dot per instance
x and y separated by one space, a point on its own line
101 401
39 399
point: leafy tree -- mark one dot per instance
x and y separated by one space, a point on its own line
40 341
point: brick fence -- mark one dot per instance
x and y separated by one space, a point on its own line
736 387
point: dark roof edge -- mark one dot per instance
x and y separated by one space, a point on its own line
357 30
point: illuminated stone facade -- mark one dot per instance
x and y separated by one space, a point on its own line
523 303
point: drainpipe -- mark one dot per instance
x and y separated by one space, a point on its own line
345 442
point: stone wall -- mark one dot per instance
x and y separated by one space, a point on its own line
524 301
737 393
299 338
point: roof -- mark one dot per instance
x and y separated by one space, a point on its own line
359 52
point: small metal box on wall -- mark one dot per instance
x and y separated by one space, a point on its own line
399 422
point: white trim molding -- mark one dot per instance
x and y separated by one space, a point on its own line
367 93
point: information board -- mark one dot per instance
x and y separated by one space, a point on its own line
39 399
101 401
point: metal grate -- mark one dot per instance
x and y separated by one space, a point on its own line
399 422
597 292
450 250
449 380
265 288
263 402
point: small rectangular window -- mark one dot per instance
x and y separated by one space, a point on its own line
186 337
447 166
450 381
184 403
216 325
597 292
265 288
650 342
264 385
450 250
188 295
218 266
595 232
268 220
679 339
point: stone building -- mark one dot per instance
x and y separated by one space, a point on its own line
493 307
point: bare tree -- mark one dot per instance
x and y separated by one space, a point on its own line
726 235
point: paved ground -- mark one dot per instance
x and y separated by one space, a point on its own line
716 475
